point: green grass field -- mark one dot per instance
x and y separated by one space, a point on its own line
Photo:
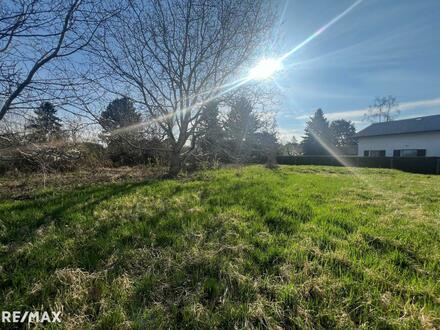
296 247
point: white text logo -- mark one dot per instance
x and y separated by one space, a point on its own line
30 317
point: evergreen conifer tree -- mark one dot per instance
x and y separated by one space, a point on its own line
318 136
45 126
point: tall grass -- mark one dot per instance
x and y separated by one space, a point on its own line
296 247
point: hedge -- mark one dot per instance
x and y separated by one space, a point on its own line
425 165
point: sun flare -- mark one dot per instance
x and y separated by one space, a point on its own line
265 69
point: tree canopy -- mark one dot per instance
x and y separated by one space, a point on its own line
45 126
124 146
119 113
175 56
211 134
343 132
241 126
317 135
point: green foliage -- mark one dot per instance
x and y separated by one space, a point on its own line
343 133
118 114
317 136
126 144
248 139
299 247
266 148
45 126
324 138
241 126
211 140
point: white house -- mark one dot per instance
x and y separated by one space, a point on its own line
416 137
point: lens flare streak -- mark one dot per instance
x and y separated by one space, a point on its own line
321 30
347 165
264 69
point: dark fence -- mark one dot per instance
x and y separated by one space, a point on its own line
425 165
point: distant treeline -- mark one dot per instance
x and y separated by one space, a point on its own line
229 132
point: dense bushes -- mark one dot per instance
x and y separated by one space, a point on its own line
47 143
64 156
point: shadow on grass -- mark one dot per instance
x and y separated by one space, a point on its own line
22 218
30 254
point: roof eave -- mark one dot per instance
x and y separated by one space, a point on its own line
402 133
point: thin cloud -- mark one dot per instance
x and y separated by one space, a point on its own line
355 114
285 134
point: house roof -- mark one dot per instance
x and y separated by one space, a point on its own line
413 125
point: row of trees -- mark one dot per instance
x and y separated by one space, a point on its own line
177 61
228 132
322 137
337 137
241 136
170 58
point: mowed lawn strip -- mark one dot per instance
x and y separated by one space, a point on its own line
297 247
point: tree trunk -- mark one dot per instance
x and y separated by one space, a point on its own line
175 164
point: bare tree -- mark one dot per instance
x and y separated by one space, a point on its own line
291 148
36 38
173 56
383 109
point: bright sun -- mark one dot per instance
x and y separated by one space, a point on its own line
265 68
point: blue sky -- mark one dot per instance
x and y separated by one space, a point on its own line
379 48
